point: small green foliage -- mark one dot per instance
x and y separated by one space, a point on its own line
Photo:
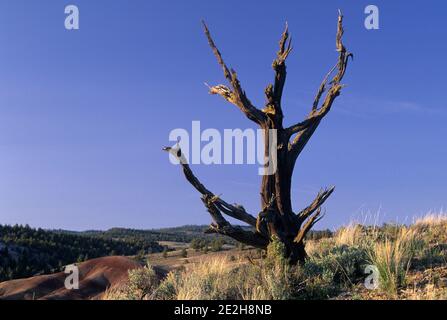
142 284
240 246
165 252
217 245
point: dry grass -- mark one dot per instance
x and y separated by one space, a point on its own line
350 235
392 258
429 293
433 229
430 284
227 278
432 219
206 280
402 255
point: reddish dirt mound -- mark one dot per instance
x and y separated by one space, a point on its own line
95 276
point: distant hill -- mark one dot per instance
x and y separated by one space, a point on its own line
95 277
26 252
178 234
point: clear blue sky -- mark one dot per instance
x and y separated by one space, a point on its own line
84 114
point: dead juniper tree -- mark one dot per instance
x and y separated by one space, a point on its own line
277 218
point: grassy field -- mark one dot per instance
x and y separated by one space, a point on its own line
357 262
176 260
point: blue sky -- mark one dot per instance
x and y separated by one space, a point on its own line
84 114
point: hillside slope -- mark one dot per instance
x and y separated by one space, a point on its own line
26 252
95 277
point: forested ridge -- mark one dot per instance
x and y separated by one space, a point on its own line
25 251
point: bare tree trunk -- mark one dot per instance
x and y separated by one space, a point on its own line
277 218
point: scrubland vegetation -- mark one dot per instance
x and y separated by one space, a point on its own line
408 262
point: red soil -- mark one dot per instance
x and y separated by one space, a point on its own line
95 277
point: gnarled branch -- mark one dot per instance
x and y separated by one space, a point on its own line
234 211
305 129
308 225
236 95
223 227
274 92
316 204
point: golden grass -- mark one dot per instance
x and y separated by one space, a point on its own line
115 293
226 278
433 227
391 248
392 258
350 235
208 279
432 219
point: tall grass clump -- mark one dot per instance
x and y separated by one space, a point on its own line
207 280
392 259
351 235
432 219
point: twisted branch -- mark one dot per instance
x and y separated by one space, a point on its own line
305 129
234 211
236 95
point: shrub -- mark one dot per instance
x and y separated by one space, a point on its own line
141 285
241 246
141 256
167 288
165 252
217 245
429 255
270 279
328 271
198 244
343 263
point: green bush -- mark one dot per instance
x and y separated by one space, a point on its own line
327 272
167 288
141 285
217 245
